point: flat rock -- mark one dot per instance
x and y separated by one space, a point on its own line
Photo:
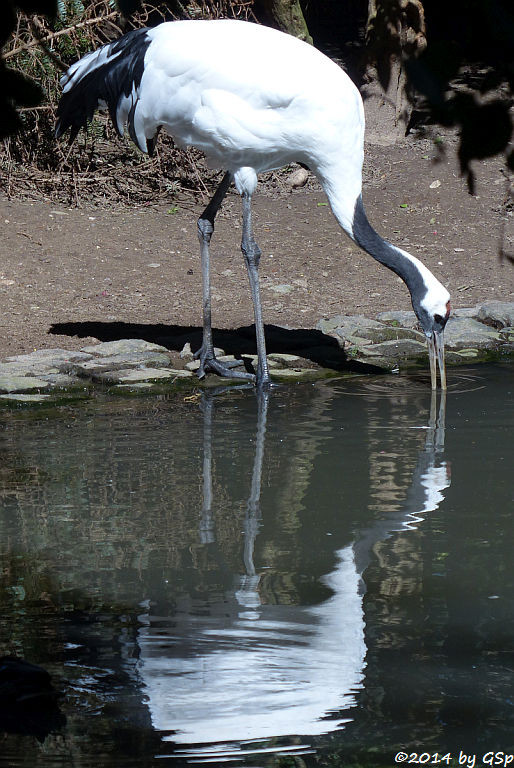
154 374
39 398
138 386
45 356
40 362
465 332
346 325
61 380
465 312
130 376
399 318
26 369
385 333
280 357
118 362
362 331
397 349
453 356
123 347
10 384
300 374
499 314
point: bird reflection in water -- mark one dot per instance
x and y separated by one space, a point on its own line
250 670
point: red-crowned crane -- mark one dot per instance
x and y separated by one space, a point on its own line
252 99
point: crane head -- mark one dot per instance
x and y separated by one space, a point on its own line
433 318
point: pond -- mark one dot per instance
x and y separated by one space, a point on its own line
319 576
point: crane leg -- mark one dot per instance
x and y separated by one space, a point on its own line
206 354
252 255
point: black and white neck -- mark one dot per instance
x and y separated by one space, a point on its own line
429 297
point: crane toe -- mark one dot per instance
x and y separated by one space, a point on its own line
210 364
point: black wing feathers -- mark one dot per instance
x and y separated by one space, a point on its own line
108 82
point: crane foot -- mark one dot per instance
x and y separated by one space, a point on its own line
209 364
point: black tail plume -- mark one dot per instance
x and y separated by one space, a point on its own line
109 77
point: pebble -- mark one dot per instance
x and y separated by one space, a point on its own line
283 289
186 353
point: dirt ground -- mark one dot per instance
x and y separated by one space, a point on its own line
69 276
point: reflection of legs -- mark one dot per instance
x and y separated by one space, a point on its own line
206 521
206 527
206 355
248 593
252 255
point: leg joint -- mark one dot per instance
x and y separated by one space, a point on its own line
251 251
205 229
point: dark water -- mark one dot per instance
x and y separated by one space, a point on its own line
321 577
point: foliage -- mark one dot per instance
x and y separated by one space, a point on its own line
464 70
15 88
457 57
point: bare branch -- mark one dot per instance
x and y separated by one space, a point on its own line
54 35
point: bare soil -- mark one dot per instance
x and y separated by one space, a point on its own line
69 276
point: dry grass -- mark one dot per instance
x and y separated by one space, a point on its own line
99 166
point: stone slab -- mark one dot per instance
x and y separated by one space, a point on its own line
123 347
117 362
131 376
301 374
280 357
348 324
27 369
51 356
465 332
400 318
20 398
10 384
395 349
499 314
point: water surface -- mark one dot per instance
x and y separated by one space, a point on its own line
324 574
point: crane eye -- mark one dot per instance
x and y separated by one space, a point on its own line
438 319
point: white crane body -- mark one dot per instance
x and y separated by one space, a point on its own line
252 99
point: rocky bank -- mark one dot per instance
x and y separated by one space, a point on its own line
341 345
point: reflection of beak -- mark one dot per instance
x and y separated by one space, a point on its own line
436 353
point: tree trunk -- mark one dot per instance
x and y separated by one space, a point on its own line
395 31
287 15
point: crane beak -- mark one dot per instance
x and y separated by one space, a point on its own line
436 355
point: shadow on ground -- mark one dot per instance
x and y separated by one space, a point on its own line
307 343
